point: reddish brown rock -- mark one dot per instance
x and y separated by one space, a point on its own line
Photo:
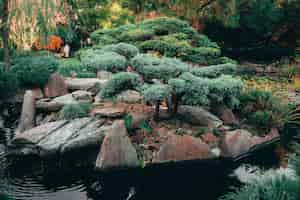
210 139
38 93
235 143
138 118
274 133
225 114
179 148
55 87
117 150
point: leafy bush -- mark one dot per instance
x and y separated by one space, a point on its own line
162 69
196 90
169 36
179 87
72 67
99 60
124 49
8 84
34 71
120 82
214 71
264 111
75 110
271 188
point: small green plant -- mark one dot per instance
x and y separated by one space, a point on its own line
75 110
120 82
34 71
180 131
128 123
201 131
145 126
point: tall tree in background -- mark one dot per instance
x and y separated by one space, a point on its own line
5 32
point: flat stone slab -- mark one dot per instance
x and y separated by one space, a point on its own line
110 112
84 83
58 137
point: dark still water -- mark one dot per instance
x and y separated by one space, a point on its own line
190 180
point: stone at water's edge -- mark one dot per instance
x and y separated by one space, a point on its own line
58 137
199 116
117 150
182 148
28 112
55 87
235 143
82 96
104 75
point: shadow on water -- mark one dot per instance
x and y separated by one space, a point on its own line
63 179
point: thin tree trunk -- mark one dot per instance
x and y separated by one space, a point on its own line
5 35
157 108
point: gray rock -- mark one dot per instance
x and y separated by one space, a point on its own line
199 116
129 96
89 84
53 105
59 137
35 135
91 135
110 112
82 96
117 150
52 143
28 112
104 75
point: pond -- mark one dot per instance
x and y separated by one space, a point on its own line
32 179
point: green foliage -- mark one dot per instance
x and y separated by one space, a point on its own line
124 49
162 69
75 110
178 86
214 71
120 82
296 160
99 60
279 187
8 84
128 123
170 37
196 90
225 90
72 67
264 111
34 71
156 93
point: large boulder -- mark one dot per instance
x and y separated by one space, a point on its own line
180 148
117 150
235 143
55 87
89 84
225 114
199 116
58 137
27 120
129 96
53 105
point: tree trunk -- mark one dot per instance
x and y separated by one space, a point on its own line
157 106
5 34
